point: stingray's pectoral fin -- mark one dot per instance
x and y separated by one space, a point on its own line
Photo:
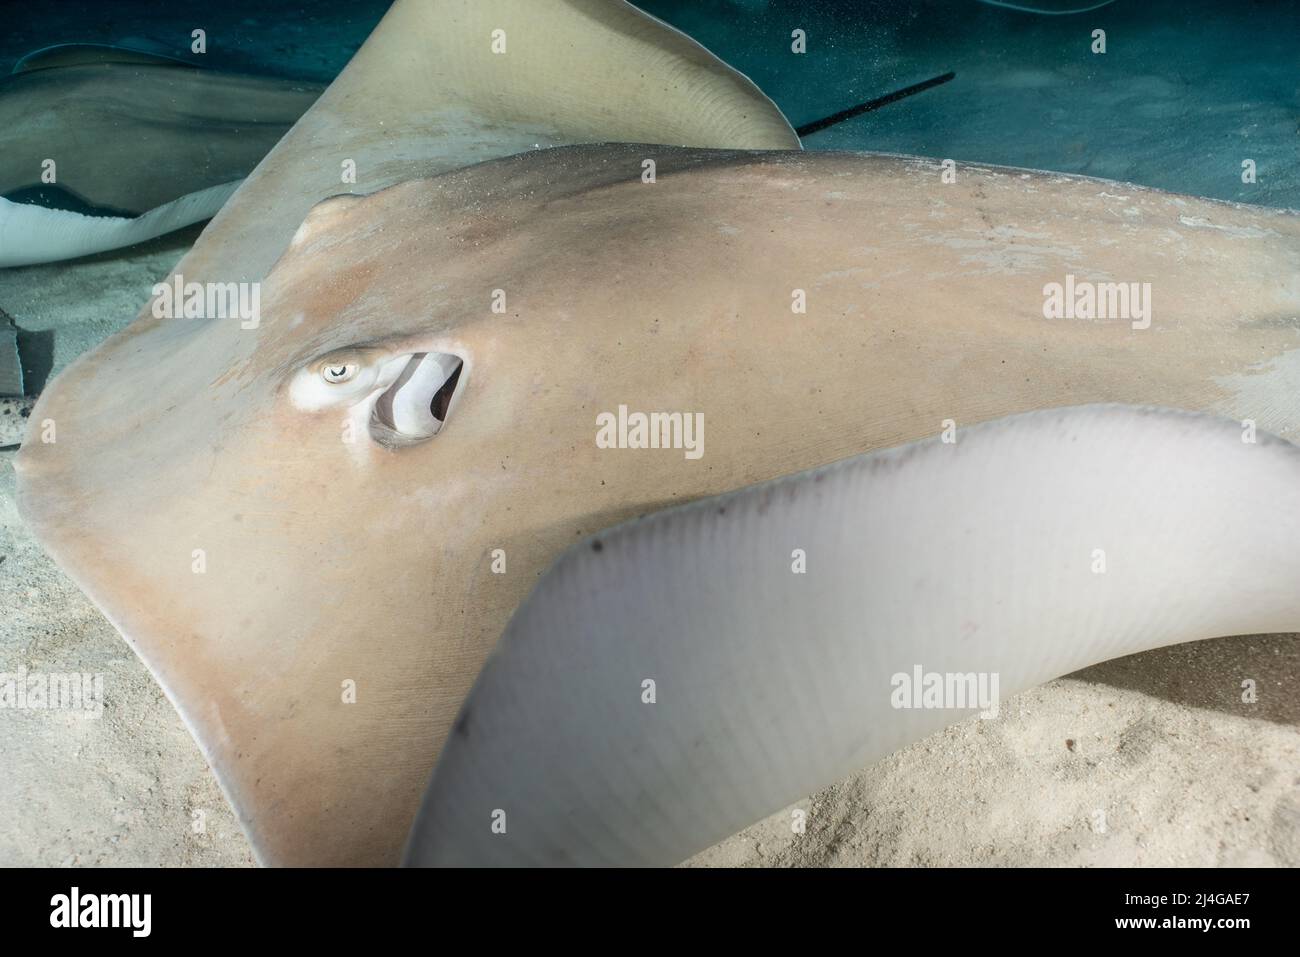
80 54
416 406
682 676
31 234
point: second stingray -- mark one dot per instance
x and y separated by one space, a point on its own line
126 133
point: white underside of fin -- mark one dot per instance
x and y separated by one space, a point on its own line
32 234
679 677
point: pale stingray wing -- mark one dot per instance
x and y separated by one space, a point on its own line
680 677
438 86
34 234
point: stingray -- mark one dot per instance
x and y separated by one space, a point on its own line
316 572
145 142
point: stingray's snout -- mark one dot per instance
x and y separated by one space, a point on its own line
37 448
27 460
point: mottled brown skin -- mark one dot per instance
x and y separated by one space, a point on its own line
328 562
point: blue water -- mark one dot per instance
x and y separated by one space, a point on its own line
1185 92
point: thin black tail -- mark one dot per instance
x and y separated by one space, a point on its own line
816 126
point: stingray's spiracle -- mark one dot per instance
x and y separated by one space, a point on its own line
415 407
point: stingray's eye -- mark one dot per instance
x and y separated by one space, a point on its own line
337 378
336 374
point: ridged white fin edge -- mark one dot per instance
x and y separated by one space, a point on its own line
979 557
32 234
